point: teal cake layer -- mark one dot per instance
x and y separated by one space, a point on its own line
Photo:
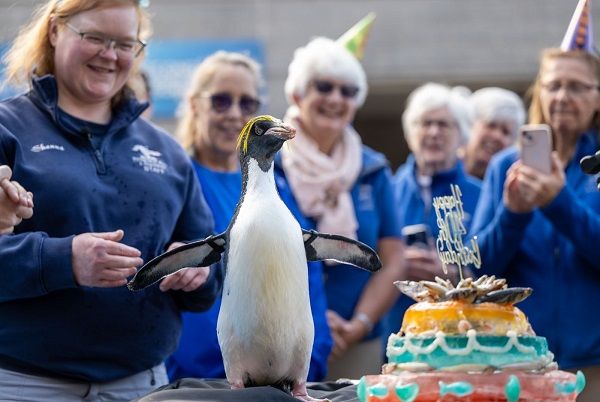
444 352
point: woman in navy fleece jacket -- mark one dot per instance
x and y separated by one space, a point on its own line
112 191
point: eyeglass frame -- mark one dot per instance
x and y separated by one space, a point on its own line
442 124
325 87
572 87
212 96
107 41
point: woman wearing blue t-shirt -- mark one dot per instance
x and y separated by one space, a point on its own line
223 97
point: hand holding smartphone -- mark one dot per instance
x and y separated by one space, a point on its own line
416 235
535 141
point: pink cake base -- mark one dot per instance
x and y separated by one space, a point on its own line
505 386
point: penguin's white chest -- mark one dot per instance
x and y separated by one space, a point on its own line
265 322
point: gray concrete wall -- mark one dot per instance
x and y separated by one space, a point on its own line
471 42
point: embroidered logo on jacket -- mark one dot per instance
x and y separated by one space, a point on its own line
46 147
148 159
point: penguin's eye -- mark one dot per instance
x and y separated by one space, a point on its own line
259 130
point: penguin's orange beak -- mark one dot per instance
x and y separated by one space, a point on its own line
282 131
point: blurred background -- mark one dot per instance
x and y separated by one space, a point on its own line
474 43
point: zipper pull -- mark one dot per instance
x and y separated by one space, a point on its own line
86 132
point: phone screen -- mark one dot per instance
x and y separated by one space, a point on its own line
416 235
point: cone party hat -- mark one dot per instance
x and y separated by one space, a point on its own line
355 38
579 34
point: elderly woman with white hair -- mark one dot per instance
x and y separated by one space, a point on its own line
496 115
435 122
345 188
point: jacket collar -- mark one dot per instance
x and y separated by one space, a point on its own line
44 94
453 175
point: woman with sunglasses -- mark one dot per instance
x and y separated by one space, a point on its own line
223 97
345 188
112 191
541 230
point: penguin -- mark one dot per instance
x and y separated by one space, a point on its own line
265 327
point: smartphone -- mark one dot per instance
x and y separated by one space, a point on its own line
535 141
416 235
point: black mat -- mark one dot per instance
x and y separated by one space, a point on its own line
192 389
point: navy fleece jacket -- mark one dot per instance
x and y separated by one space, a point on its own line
128 175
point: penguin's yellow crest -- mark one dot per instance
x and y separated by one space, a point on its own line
245 133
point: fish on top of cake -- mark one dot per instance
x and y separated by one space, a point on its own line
473 326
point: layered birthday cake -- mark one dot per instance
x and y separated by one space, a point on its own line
468 343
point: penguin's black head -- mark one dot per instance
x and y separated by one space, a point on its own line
262 137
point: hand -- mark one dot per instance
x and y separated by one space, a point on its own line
15 202
422 264
186 279
336 326
514 197
542 188
344 333
99 259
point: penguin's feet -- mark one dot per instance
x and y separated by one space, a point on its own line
299 392
308 398
236 384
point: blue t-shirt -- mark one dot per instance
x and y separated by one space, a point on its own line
199 354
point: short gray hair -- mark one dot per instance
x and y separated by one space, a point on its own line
433 96
321 58
497 104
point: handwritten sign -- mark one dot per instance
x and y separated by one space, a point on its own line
449 244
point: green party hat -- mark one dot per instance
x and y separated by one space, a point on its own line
355 38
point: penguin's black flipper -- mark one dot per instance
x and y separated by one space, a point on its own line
324 246
196 254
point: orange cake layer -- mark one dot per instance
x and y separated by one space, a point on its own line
455 317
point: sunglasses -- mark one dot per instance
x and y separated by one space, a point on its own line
222 102
325 88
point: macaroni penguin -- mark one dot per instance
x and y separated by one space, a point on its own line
265 326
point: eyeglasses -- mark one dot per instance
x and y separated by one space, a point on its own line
572 87
142 3
440 123
125 49
223 101
325 88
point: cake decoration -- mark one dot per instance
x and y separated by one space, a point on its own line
466 342
449 244
512 390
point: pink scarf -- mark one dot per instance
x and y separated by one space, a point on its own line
321 183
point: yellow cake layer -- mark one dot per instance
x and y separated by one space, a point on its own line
454 317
